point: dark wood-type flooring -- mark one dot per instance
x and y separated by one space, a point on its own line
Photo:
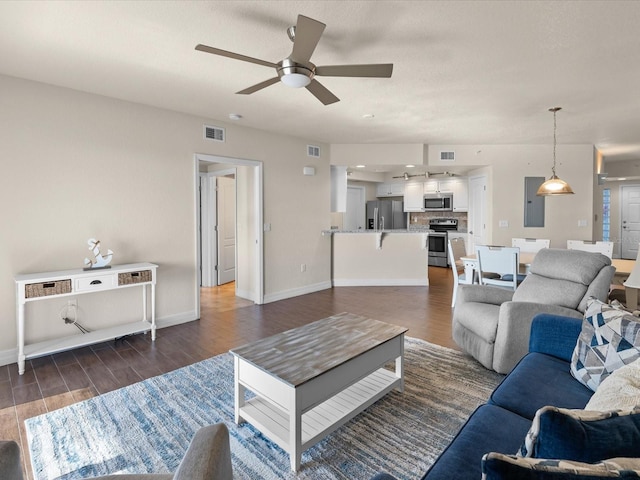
58 380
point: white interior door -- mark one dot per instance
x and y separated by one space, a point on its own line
477 212
354 218
208 237
226 229
630 221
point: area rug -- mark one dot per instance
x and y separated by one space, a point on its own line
146 427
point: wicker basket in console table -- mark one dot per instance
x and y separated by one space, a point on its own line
39 286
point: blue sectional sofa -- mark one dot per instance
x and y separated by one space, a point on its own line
541 378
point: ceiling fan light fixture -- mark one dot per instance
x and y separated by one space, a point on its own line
295 80
554 186
294 75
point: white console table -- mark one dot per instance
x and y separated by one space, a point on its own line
41 286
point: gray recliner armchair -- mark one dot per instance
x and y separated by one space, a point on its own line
207 458
492 324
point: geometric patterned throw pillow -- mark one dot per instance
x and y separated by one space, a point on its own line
610 339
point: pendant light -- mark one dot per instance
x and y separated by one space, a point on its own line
554 186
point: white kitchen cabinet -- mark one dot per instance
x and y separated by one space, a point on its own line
390 190
414 197
431 186
460 189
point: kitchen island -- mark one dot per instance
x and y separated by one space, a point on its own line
379 258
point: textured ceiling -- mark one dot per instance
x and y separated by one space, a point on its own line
477 72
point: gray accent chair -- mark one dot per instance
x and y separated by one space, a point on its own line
492 324
207 458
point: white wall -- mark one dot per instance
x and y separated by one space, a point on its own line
77 165
509 165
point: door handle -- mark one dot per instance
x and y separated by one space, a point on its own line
96 282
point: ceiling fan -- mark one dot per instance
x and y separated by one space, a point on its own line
406 176
297 70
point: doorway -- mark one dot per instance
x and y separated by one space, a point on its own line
629 221
217 224
242 201
477 212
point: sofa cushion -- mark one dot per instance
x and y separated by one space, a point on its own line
581 435
619 391
497 466
538 380
490 428
609 339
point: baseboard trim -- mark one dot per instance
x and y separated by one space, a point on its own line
381 282
10 356
294 292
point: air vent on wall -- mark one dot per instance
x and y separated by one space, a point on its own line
447 156
313 151
213 133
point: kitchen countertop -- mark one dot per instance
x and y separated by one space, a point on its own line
400 230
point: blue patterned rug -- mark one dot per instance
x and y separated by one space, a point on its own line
146 427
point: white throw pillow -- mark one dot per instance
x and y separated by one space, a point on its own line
619 391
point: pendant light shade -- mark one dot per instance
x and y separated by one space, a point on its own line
554 186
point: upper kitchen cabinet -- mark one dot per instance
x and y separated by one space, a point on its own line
431 186
460 189
390 190
414 197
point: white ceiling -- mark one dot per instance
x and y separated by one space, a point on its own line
476 72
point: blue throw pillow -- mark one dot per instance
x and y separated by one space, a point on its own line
496 466
583 435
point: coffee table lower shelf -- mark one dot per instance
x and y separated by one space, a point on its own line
324 418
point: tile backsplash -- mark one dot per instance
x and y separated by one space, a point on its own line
422 218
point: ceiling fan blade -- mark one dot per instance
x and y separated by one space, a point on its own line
259 86
322 93
371 70
236 56
308 33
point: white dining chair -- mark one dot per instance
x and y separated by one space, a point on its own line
533 245
457 250
605 248
529 245
501 260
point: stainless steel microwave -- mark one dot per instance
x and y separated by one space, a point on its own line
438 202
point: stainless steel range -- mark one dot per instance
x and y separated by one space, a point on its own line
438 240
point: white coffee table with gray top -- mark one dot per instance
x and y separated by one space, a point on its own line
311 380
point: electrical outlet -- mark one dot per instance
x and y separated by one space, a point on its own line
303 267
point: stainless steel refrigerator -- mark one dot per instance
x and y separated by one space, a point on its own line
386 214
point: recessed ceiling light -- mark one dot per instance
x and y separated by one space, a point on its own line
235 116
360 166
367 116
410 166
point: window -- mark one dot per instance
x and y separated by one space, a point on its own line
606 215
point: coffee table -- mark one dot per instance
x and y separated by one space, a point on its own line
311 380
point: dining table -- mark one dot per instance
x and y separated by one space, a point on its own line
470 263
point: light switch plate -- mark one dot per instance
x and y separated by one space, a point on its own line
503 223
